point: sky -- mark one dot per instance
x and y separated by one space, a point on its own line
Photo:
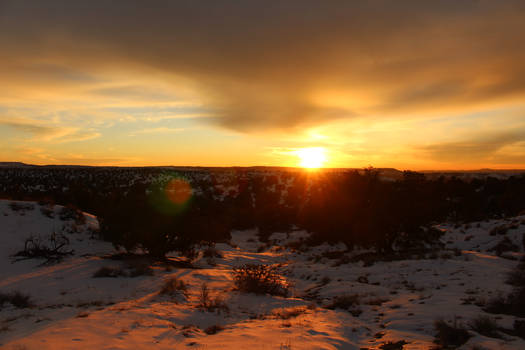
406 84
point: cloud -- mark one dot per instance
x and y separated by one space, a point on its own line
44 131
160 130
260 65
483 149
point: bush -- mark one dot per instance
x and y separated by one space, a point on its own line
17 299
106 271
70 212
499 230
139 268
134 269
260 279
173 286
393 346
208 304
211 252
53 248
486 326
344 302
450 336
48 211
21 206
505 245
213 329
517 276
512 304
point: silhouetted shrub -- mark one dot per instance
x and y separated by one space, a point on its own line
347 302
211 304
52 248
505 245
17 299
517 276
173 286
486 326
393 345
17 206
450 336
260 279
70 212
107 271
213 329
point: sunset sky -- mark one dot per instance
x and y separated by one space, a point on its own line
405 84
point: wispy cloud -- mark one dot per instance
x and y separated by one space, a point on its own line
45 131
481 149
159 130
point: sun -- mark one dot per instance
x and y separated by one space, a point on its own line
312 157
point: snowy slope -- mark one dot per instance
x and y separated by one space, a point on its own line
396 300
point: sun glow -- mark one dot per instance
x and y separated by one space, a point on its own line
312 157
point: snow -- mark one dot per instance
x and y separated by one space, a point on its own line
398 300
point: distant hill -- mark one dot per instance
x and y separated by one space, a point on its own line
15 165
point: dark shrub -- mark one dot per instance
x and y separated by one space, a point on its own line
519 328
52 248
486 326
173 286
48 211
16 299
70 212
260 279
213 329
499 230
208 304
393 346
15 206
344 302
512 304
106 271
505 245
517 276
450 336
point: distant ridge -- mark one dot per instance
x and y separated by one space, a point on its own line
16 165
392 173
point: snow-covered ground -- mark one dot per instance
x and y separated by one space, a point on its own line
392 301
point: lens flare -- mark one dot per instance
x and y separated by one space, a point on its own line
178 191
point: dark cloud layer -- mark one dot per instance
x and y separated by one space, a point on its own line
260 64
484 148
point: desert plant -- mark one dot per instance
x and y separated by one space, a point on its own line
517 276
486 326
512 304
52 248
398 345
260 279
344 302
173 286
213 329
286 314
208 304
17 299
137 268
450 336
48 211
505 245
107 271
15 206
211 252
70 212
